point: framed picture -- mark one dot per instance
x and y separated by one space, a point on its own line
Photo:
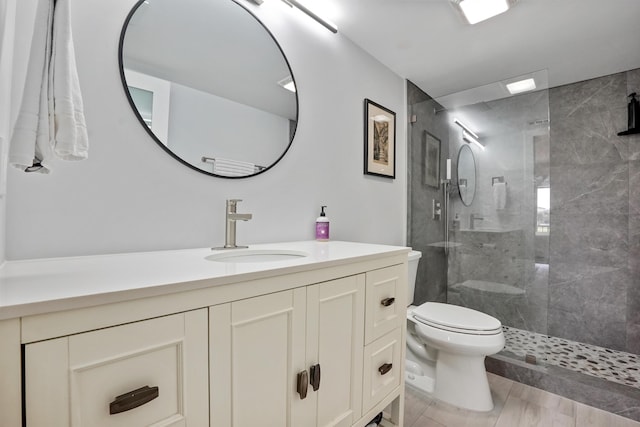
431 153
379 140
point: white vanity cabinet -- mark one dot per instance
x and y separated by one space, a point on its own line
89 379
288 359
228 346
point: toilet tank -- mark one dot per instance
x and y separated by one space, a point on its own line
414 259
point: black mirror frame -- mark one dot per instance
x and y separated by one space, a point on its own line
155 138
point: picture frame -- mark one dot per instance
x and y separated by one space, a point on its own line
379 140
431 155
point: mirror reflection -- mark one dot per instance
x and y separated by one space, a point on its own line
466 175
210 84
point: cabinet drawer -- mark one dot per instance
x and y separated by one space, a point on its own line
86 379
386 301
382 368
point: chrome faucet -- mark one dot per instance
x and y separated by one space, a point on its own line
230 229
472 219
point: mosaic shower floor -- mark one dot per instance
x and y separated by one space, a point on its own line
611 365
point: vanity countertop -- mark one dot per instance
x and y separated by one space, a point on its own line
38 286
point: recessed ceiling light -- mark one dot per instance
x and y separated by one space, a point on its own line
288 84
476 11
521 86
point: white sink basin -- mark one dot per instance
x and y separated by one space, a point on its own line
257 255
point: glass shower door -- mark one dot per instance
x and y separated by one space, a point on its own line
499 213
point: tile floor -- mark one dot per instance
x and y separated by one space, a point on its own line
516 405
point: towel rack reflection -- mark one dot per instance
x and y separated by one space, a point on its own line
497 179
213 159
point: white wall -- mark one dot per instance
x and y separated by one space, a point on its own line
131 196
16 29
7 33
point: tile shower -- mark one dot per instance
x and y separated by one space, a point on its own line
569 295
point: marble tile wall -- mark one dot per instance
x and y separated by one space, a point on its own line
633 289
526 310
595 214
494 256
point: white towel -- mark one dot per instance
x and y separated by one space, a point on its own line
50 118
499 195
227 167
71 138
462 189
31 132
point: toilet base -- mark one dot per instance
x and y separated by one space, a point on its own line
462 381
415 376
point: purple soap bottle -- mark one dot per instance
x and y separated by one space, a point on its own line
322 226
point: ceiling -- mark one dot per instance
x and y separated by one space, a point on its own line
429 43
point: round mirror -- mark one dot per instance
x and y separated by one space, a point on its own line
466 175
210 84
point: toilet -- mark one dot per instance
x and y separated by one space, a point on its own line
446 347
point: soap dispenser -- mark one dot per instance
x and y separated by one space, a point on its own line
322 226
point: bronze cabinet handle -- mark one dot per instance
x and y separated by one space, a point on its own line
303 383
388 301
385 368
133 399
315 376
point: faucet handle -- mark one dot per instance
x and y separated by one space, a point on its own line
232 203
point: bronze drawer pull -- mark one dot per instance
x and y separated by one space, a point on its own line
388 301
303 384
385 368
315 376
133 399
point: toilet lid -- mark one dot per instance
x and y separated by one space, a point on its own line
456 319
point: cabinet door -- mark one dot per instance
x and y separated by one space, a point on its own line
73 380
335 334
257 348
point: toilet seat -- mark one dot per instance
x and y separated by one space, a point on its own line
454 318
